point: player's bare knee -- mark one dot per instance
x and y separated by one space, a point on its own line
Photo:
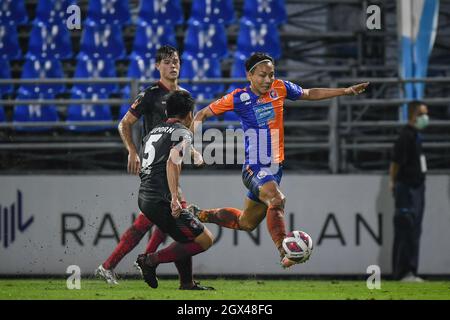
278 201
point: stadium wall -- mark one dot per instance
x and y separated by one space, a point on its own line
50 222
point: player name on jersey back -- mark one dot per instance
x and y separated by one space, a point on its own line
163 130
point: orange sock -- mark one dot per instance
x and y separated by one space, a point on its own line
275 224
225 217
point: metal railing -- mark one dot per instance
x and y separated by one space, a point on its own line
334 134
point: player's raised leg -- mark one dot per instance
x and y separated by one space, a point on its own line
248 219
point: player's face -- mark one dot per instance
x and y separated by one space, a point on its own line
169 67
262 77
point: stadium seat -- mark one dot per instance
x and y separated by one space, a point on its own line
141 69
267 11
95 68
9 43
13 12
150 37
49 41
35 112
89 112
198 69
207 40
124 107
5 73
52 11
109 11
161 12
238 71
220 11
255 37
2 114
102 41
42 69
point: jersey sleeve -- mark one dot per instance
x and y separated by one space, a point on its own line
293 91
137 107
223 104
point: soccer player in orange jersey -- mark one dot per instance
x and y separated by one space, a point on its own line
260 107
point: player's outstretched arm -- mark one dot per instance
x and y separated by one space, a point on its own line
125 130
199 117
327 93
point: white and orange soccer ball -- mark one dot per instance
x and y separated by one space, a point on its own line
297 246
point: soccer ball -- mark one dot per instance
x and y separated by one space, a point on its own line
298 246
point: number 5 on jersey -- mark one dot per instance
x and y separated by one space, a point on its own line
149 151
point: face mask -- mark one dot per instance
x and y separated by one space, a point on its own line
422 121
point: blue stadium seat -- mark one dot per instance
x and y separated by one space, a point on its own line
42 69
2 114
5 73
258 37
124 107
13 12
142 69
9 43
49 41
95 68
161 12
89 112
52 11
102 41
238 71
267 11
109 11
198 69
150 37
35 112
220 11
206 40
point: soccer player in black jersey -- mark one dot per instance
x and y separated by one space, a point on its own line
162 152
149 104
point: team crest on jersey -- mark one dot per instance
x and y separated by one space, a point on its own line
273 94
244 97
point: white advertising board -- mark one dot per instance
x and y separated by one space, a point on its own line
50 222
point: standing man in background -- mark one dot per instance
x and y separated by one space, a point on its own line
407 184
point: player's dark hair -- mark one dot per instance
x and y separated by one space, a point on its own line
179 103
255 59
413 106
165 52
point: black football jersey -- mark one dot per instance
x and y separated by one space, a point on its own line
155 151
151 105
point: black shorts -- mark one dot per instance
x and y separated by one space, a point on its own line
185 228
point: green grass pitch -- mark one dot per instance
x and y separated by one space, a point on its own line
91 289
